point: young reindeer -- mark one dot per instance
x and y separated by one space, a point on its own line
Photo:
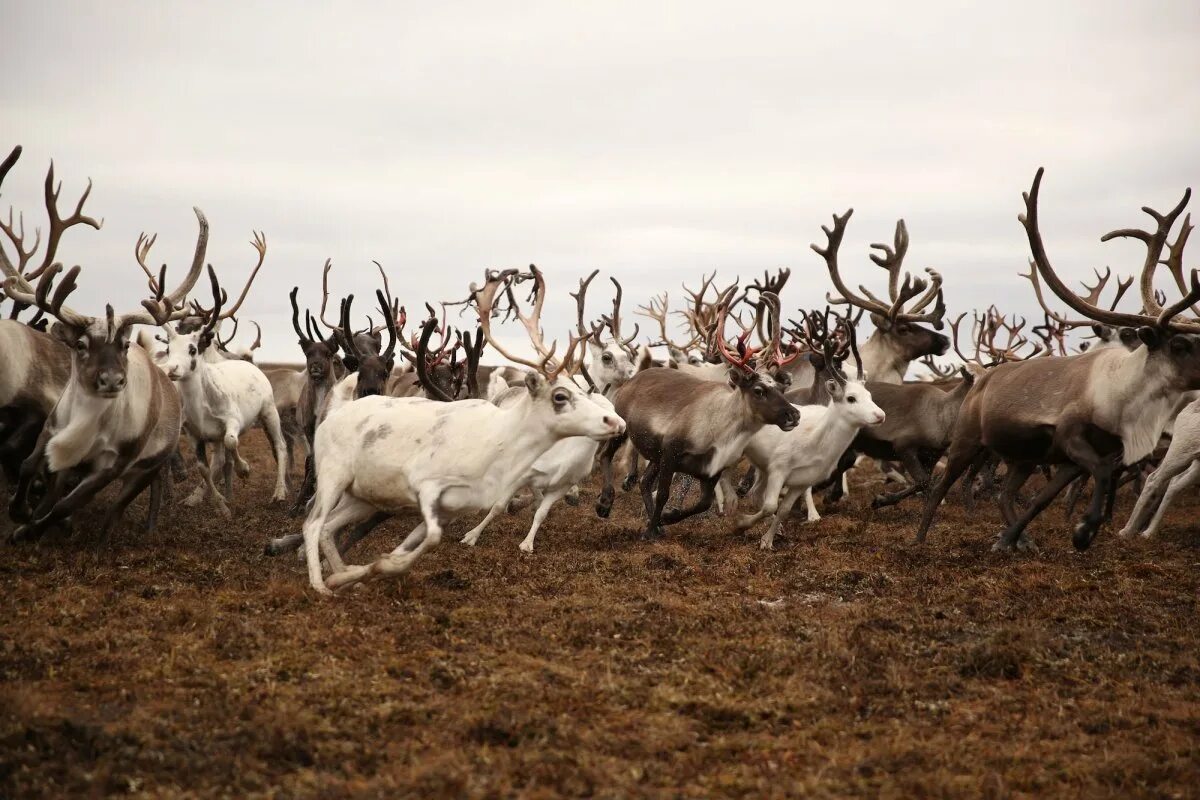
793 461
118 417
223 398
682 423
1090 413
384 454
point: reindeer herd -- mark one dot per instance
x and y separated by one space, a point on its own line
388 419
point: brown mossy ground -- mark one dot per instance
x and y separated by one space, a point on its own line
848 662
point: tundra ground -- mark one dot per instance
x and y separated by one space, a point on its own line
848 662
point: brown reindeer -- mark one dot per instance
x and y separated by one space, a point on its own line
118 417
1091 413
681 423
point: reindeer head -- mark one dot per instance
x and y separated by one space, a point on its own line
566 409
362 353
613 356
196 338
761 393
900 328
319 352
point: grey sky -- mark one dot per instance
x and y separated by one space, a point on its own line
651 141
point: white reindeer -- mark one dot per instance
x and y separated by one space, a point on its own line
792 462
386 454
552 477
222 399
1180 469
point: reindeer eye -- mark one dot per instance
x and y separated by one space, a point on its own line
607 358
160 338
191 349
851 399
759 390
561 397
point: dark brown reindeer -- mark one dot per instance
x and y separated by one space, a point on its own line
1091 413
322 369
681 423
370 369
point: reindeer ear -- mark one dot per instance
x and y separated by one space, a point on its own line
835 389
736 377
881 322
1149 336
60 332
645 360
535 383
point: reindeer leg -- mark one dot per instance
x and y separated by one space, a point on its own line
133 483
918 474
708 491
78 497
665 469
605 501
1077 448
1065 474
539 517
31 468
1181 482
279 448
631 468
402 558
1018 474
960 457
785 510
157 489
813 516
308 486
648 479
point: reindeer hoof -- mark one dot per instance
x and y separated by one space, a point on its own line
1027 545
654 534
629 483
572 500
469 540
1084 534
526 547
1001 546
603 509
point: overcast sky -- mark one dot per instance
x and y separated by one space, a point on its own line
652 141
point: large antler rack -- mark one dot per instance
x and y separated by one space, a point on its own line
891 259
484 298
18 283
985 328
1154 313
834 344
657 310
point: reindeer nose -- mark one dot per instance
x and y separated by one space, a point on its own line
880 418
110 381
616 423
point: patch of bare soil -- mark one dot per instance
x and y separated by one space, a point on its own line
848 662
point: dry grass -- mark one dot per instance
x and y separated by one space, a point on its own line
187 664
